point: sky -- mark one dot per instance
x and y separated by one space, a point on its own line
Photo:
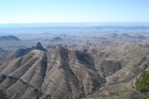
53 11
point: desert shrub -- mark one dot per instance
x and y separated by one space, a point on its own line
67 97
142 84
3 95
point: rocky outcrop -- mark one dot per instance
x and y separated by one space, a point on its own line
39 47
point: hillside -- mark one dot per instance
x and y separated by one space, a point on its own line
121 65
3 54
102 73
48 71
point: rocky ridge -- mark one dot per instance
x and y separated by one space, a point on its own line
92 74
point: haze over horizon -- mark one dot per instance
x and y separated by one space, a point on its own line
68 11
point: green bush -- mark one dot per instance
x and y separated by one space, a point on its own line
3 95
142 85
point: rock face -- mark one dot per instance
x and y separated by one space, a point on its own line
40 47
63 72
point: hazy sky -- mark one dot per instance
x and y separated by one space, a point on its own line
37 11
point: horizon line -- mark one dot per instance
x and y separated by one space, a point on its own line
75 22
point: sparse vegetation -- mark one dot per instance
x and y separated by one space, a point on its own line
58 97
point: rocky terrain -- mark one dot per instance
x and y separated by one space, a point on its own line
95 73
89 64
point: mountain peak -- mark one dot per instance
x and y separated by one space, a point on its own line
40 47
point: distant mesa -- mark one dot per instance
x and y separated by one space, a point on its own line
140 37
9 38
102 38
56 39
125 35
99 38
105 43
113 35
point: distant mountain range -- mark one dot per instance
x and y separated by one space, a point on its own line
77 24
9 38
